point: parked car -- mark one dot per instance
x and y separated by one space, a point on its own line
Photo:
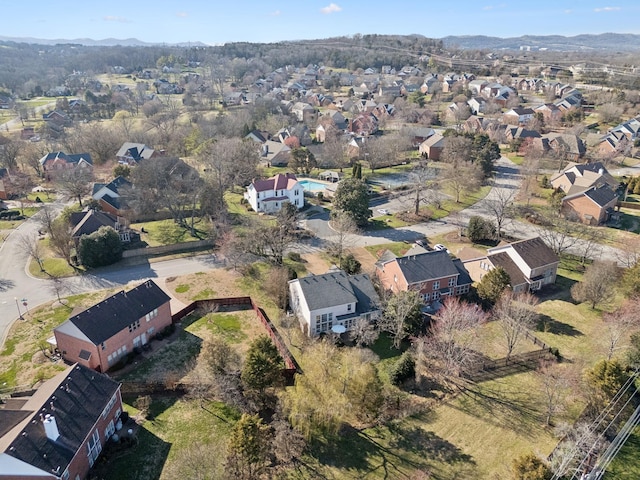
439 246
421 243
383 211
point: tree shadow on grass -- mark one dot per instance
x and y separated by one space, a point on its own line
390 453
504 407
550 325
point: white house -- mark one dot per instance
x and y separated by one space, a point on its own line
269 195
322 302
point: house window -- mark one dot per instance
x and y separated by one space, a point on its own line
436 285
109 406
136 341
103 346
452 281
151 315
426 297
94 447
258 205
109 430
348 307
135 325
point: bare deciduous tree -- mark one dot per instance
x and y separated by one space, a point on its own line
344 227
559 234
556 382
620 324
500 205
598 283
75 182
464 177
32 247
450 349
516 314
399 314
363 332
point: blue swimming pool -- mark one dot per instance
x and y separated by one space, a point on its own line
311 186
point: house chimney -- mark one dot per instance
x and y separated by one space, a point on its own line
51 427
601 171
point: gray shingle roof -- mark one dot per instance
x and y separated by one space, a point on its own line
77 404
338 288
105 319
535 252
502 259
426 266
601 195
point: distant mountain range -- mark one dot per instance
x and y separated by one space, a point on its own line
107 42
617 42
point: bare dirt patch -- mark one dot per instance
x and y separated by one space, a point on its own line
315 264
217 283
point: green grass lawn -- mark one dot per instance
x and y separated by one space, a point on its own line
177 425
398 248
166 232
626 465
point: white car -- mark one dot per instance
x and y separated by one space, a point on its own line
383 211
439 246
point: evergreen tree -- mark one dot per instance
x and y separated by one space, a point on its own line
352 198
493 284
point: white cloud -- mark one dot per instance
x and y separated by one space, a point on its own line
568 11
275 13
115 18
488 7
331 8
607 9
182 14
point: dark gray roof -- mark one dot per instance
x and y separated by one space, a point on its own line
463 278
85 223
77 404
338 288
601 195
426 266
105 319
535 252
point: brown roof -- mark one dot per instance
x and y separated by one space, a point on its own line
279 182
535 252
516 277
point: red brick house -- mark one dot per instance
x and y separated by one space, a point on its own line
109 196
592 206
59 431
101 335
432 147
530 264
433 274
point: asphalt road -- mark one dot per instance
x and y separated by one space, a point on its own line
16 284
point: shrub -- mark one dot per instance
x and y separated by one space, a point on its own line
294 256
403 369
38 200
351 265
480 229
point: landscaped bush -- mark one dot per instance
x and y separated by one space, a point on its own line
100 248
404 369
294 256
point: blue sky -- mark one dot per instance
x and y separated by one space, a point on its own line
216 21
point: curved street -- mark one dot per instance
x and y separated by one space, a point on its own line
16 284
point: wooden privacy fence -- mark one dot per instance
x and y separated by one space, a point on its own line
212 304
165 249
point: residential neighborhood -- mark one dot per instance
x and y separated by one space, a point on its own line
255 261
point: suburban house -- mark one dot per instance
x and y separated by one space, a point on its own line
106 194
569 146
432 147
304 112
577 177
132 153
85 223
322 302
530 263
59 431
271 194
275 153
433 274
592 206
101 335
56 161
518 115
